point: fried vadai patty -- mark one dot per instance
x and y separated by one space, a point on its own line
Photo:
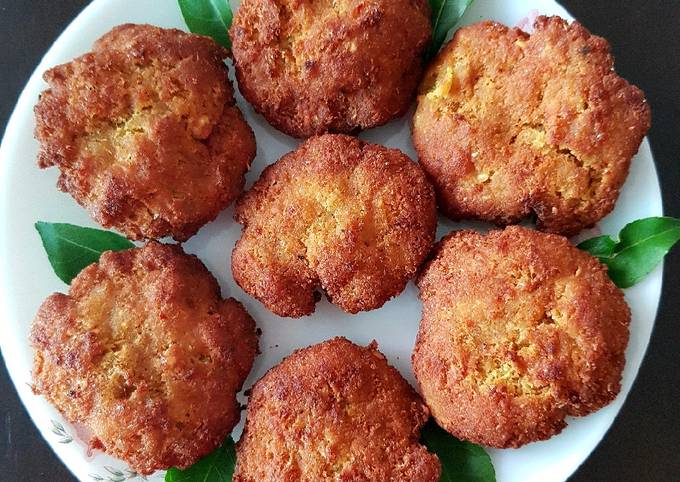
510 124
146 132
338 214
311 67
334 411
519 330
145 354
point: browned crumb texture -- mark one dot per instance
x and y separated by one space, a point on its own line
509 124
316 66
145 354
146 132
519 330
334 411
337 214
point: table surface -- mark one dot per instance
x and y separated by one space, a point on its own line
644 442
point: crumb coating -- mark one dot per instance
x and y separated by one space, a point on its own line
510 125
145 131
520 329
351 218
317 66
145 353
334 411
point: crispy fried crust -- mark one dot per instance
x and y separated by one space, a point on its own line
146 132
334 411
519 330
352 218
146 354
313 66
509 124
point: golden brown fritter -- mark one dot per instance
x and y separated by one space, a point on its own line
519 330
145 353
316 66
334 411
337 214
146 132
510 124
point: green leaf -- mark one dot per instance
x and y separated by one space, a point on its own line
217 466
71 248
461 461
641 247
445 16
208 17
601 246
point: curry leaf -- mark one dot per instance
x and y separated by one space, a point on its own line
641 246
445 15
461 461
601 246
208 17
71 248
217 466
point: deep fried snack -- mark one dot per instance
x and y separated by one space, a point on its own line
312 66
509 124
352 218
145 353
146 132
519 330
334 411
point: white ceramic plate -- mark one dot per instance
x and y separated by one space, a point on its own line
26 278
